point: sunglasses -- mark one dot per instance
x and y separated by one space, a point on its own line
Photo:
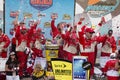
12 55
91 32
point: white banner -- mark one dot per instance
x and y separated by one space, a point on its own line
2 64
103 61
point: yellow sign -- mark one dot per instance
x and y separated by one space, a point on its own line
51 54
62 69
27 15
93 26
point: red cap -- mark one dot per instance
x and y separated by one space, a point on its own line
89 30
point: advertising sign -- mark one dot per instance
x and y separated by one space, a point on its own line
78 72
100 8
62 69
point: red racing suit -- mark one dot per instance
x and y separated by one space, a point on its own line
111 72
108 49
88 46
70 45
21 44
4 43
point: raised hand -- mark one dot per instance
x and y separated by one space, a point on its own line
54 16
82 19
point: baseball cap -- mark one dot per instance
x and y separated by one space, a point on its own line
90 30
12 53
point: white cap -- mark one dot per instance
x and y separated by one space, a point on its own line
12 53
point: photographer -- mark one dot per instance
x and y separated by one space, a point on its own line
111 69
12 67
118 62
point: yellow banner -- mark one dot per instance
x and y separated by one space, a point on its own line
27 15
62 69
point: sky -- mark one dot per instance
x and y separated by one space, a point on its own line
59 6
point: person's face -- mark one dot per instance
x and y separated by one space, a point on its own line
62 25
119 62
22 24
0 32
110 33
89 35
38 33
31 23
12 56
23 31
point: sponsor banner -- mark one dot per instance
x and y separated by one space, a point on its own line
62 69
2 64
80 68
